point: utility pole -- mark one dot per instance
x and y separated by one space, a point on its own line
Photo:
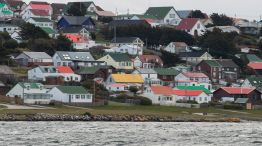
114 34
94 96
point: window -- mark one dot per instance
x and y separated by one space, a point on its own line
76 78
82 96
172 15
200 98
159 98
77 96
205 98
198 26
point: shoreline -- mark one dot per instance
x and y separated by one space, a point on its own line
109 118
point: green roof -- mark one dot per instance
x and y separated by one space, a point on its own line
253 58
119 57
158 12
41 19
88 70
255 81
212 63
72 89
2 5
7 12
31 85
194 88
166 71
48 30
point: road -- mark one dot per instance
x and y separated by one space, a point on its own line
10 106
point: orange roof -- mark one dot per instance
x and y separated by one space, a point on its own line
255 65
195 75
76 38
238 90
188 92
64 69
162 90
127 78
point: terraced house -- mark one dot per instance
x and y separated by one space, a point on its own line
5 12
119 61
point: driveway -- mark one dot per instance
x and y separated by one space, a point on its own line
11 106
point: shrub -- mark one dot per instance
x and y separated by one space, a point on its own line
87 114
233 106
144 100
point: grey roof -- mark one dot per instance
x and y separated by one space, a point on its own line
37 55
227 63
6 70
146 71
76 29
184 13
76 20
7 25
48 69
124 40
123 23
75 56
191 54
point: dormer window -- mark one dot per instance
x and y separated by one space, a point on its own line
27 87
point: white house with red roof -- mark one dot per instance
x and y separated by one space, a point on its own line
192 95
192 26
193 79
37 9
80 42
40 73
161 95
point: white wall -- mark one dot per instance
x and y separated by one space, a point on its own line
172 21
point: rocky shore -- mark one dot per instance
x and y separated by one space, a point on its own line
89 117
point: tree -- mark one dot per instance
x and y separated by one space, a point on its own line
30 31
221 20
133 89
42 45
197 14
77 9
63 44
170 59
218 42
10 44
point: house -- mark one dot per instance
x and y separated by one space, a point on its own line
76 30
6 74
118 61
16 6
122 82
57 10
165 15
177 47
79 42
193 79
75 59
166 75
33 59
71 95
228 29
126 23
9 28
148 61
16 36
208 92
253 82
37 9
198 96
130 41
76 21
183 68
224 69
131 50
104 14
51 32
89 5
160 95
249 28
192 26
5 12
256 67
41 73
148 75
252 94
30 93
195 57
40 22
102 72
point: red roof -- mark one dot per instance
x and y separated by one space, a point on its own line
150 58
165 90
76 38
255 65
40 5
195 75
188 92
64 69
187 23
40 12
238 90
